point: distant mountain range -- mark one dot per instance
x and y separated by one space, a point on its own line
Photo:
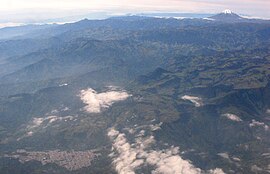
183 19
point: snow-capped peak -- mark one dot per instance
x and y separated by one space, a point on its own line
227 11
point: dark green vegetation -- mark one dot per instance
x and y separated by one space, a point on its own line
158 61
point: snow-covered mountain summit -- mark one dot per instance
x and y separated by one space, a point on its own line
227 16
227 11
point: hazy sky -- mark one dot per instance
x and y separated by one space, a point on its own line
16 11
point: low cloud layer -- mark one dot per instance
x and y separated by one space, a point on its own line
197 101
128 157
95 102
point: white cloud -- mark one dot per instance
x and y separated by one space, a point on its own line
256 169
10 24
65 109
216 171
195 100
224 155
30 133
255 123
230 159
129 157
232 117
169 162
154 127
45 122
126 162
236 159
37 124
95 102
64 84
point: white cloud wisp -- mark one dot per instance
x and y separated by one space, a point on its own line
197 101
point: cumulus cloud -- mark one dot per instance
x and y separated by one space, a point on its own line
232 117
197 101
169 162
95 102
129 157
126 162
255 123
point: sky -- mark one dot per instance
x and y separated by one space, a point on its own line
40 11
